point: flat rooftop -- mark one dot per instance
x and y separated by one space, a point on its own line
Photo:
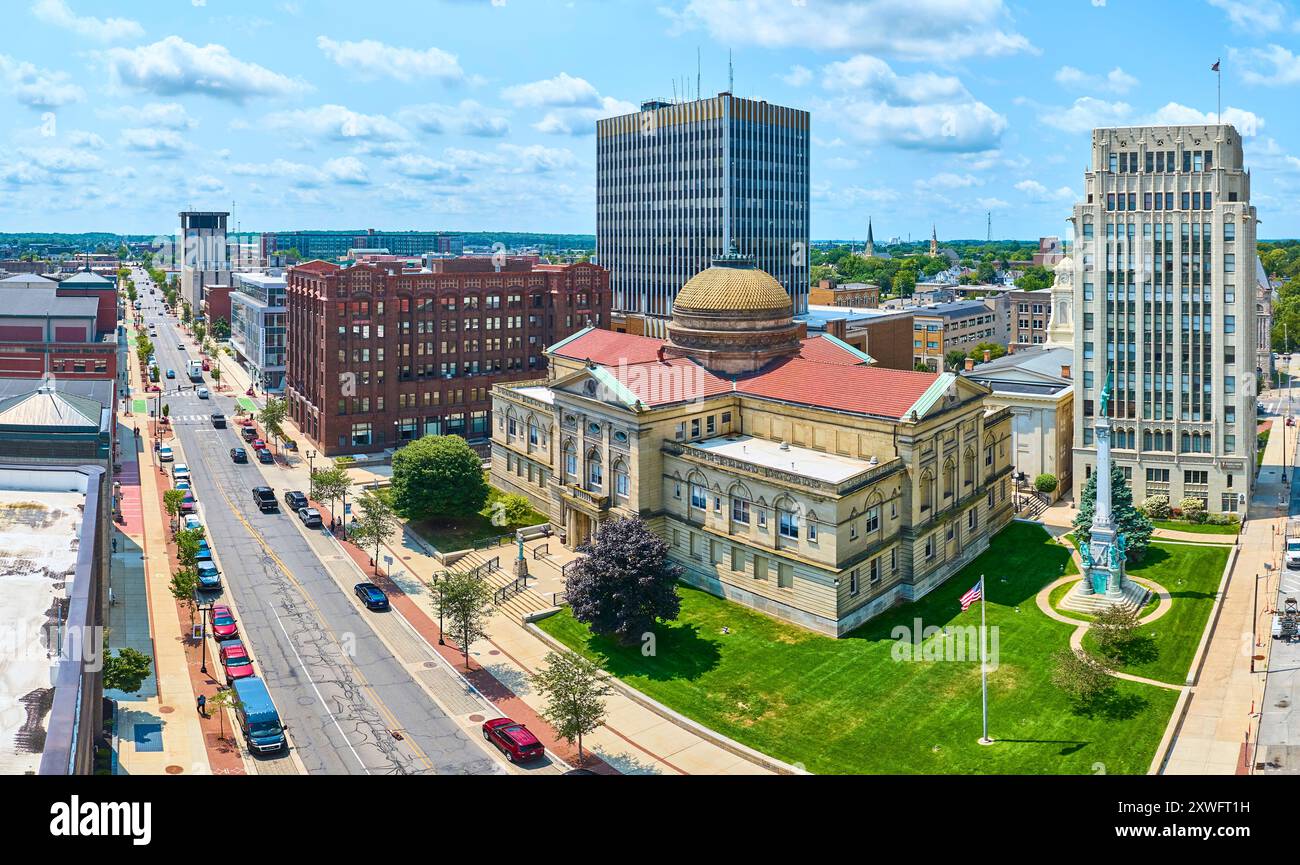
40 531
545 394
818 465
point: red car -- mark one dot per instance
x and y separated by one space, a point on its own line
187 504
223 623
513 739
258 444
235 660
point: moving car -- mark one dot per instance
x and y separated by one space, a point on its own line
171 373
310 517
264 498
209 576
371 595
513 739
295 499
218 420
265 457
238 455
223 622
180 346
258 718
235 660
165 454
202 393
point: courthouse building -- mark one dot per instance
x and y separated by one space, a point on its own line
789 474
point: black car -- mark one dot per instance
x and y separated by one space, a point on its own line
264 498
295 499
218 420
372 596
265 456
238 455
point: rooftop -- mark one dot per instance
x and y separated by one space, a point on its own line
41 301
817 465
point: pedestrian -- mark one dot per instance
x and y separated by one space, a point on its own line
203 705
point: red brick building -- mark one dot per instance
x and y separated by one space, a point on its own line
378 355
43 332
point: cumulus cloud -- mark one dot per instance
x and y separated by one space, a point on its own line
1173 114
36 87
798 76
563 90
1086 114
169 115
173 66
59 14
1114 81
938 30
1273 66
466 118
153 141
420 167
1259 16
372 59
1039 192
346 170
338 123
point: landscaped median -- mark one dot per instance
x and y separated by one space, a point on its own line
862 704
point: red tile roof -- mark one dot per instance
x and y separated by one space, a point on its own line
611 348
827 351
859 389
676 379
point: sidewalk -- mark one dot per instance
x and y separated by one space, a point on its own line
634 740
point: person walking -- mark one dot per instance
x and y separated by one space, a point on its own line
203 705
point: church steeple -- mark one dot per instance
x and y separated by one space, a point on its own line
871 241
934 240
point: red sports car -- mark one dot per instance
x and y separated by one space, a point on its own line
223 622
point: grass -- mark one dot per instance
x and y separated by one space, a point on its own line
1165 648
1197 528
453 535
848 706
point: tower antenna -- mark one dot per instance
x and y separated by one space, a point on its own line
697 71
731 74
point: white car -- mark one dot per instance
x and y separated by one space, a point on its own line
180 472
202 393
192 522
165 454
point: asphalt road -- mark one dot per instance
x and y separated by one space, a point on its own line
339 689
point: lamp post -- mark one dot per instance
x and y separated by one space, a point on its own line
311 455
441 642
203 636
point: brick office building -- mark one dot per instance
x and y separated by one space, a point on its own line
378 355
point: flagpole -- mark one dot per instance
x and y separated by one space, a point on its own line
984 676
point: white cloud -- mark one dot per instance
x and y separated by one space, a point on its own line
838 196
798 76
1255 15
1087 113
1039 192
948 180
939 30
419 167
1272 66
346 170
338 123
840 163
922 111
1114 81
173 66
58 13
36 87
169 115
563 90
1173 114
88 140
372 59
466 118
153 141
581 121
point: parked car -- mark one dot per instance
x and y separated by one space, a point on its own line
258 444
205 552
181 472
235 660
184 486
295 499
188 503
513 739
218 420
209 576
371 595
180 346
265 457
202 393
171 373
310 517
165 454
264 498
191 522
238 455
248 433
223 622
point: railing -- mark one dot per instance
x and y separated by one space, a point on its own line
565 568
541 551
558 598
514 587
494 541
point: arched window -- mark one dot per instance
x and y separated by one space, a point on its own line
970 468
621 481
949 479
595 470
534 434
927 490
570 460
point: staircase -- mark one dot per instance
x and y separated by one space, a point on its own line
1032 506
517 605
1135 598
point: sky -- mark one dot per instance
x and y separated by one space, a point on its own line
478 115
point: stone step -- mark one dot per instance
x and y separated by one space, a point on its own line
1135 597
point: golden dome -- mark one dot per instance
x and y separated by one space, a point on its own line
722 288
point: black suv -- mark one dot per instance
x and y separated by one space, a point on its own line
295 500
264 498
218 420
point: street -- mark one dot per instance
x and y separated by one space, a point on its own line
338 687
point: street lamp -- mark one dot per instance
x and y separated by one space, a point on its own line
311 455
203 636
441 642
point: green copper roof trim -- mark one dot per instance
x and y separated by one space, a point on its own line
609 380
932 395
856 352
568 339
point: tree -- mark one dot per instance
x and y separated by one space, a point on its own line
438 477
573 687
377 523
330 485
221 329
1115 628
1131 521
1045 483
625 582
200 332
172 504
185 582
1080 675
216 375
226 698
463 600
187 546
1156 507
904 283
511 509
125 671
272 416
1035 277
955 359
995 351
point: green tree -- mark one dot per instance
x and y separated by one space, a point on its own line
172 504
377 522
187 546
221 329
1114 629
462 600
125 671
1131 521
955 359
1045 483
329 485
438 477
1081 676
574 688
272 416
184 583
226 698
1034 278
511 509
625 582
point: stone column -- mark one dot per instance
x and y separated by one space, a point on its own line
1102 513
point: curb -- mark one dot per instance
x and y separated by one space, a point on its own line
727 744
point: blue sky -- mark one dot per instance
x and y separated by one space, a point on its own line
478 114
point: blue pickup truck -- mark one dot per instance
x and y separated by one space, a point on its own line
257 716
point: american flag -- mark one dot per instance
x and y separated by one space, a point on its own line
976 592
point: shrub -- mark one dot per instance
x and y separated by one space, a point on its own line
1045 483
1156 507
1193 510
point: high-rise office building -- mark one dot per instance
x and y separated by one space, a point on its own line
1164 293
678 184
203 255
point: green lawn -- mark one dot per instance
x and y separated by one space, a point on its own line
847 706
1165 648
453 535
1195 528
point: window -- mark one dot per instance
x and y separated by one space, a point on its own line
853 582
1229 231
972 519
699 497
812 531
784 575
737 559
787 524
872 520
621 484
740 510
929 547
570 461
873 570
